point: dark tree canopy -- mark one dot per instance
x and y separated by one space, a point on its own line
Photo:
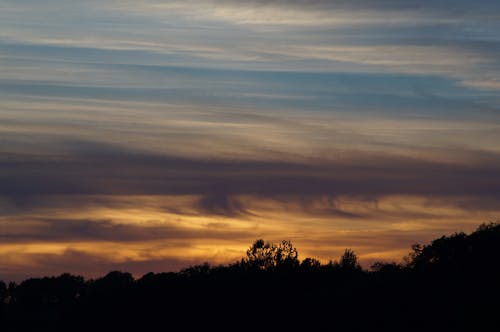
349 261
267 256
450 284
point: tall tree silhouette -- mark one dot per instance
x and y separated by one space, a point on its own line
349 261
286 256
261 255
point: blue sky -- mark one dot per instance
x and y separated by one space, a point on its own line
368 124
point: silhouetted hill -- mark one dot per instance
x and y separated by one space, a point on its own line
450 284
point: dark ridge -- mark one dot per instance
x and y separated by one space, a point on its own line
451 284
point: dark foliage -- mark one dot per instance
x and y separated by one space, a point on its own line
451 284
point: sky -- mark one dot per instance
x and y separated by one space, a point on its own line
151 135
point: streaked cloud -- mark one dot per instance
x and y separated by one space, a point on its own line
148 135
415 37
158 233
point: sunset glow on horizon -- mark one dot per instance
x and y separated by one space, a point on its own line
153 135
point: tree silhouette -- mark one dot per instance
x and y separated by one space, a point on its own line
478 251
450 284
261 255
286 256
3 291
349 261
267 256
310 264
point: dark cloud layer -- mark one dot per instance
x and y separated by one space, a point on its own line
444 8
221 204
74 230
378 4
119 172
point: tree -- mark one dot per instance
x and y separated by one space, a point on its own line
197 270
114 282
266 256
459 252
3 292
310 264
261 255
349 261
384 267
286 255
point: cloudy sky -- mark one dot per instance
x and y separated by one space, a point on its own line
151 135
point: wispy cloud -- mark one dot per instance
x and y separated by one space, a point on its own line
415 37
152 134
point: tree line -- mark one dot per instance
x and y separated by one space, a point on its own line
450 284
